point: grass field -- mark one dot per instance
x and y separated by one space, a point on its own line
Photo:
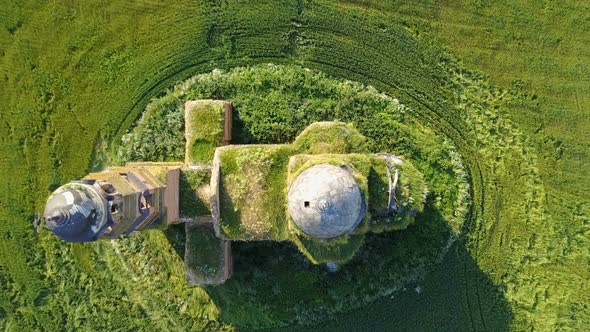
506 83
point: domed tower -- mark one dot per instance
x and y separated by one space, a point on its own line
77 212
111 204
325 201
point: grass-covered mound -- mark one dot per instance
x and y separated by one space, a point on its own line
76 76
410 195
330 137
339 250
261 172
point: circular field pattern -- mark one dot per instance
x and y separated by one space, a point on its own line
486 98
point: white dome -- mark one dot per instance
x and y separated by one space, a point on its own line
325 201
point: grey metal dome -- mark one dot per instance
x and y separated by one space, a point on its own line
325 201
75 212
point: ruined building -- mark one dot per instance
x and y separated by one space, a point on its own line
323 193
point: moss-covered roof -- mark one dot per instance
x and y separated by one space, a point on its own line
252 191
265 193
194 192
207 258
204 120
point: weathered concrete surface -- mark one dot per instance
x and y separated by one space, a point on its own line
325 201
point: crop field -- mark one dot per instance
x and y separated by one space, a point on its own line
492 101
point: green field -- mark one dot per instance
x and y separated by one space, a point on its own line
506 84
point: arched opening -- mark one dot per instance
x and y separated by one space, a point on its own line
145 202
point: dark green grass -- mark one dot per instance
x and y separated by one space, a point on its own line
472 302
275 282
190 204
204 257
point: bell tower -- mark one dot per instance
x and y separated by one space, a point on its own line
114 203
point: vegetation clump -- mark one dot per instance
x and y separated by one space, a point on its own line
324 137
157 134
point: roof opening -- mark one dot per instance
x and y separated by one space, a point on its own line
306 204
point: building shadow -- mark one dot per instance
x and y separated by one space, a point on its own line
274 282
455 296
176 236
